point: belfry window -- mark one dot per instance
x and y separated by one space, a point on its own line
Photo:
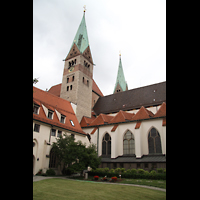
154 142
106 145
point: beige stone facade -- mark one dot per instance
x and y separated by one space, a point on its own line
77 85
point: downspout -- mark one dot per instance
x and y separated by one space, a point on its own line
98 141
50 134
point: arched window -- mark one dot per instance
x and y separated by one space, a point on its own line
53 160
106 145
154 142
129 143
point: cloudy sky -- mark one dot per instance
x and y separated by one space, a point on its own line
137 28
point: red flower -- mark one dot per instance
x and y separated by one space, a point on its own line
114 178
96 177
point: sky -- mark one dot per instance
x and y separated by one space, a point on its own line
136 28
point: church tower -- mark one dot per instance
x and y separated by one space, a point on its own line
120 84
77 79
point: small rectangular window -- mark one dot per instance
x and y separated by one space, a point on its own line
138 165
62 119
146 165
53 132
59 133
35 109
37 128
50 114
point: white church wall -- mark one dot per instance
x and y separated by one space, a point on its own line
41 149
140 136
145 127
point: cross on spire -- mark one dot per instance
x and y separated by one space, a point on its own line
84 8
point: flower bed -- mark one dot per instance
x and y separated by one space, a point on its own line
114 179
96 178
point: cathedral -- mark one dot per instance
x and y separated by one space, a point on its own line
128 126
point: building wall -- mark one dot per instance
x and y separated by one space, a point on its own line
41 149
140 136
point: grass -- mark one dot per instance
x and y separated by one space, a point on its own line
56 188
154 183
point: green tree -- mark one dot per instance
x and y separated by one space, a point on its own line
75 155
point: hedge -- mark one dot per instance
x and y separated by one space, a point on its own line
133 173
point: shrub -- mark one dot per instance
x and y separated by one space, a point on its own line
122 170
141 171
50 172
133 171
106 169
117 170
160 170
112 171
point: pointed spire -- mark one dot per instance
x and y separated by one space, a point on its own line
81 37
120 81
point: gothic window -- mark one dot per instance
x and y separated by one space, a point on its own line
154 142
129 143
87 83
67 88
67 80
72 78
106 145
83 80
53 159
70 87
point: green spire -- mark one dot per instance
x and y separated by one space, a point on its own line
120 77
81 38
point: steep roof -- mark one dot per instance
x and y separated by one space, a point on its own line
81 37
120 77
123 116
55 89
57 105
150 95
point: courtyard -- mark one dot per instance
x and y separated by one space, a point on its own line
57 188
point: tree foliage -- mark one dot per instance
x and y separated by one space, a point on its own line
75 155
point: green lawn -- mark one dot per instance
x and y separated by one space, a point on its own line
154 183
69 189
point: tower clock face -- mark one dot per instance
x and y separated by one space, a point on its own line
71 69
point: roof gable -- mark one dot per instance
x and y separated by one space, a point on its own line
143 113
101 119
121 116
161 111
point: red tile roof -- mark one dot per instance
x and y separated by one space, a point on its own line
101 119
123 116
143 113
53 103
114 128
56 89
161 111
